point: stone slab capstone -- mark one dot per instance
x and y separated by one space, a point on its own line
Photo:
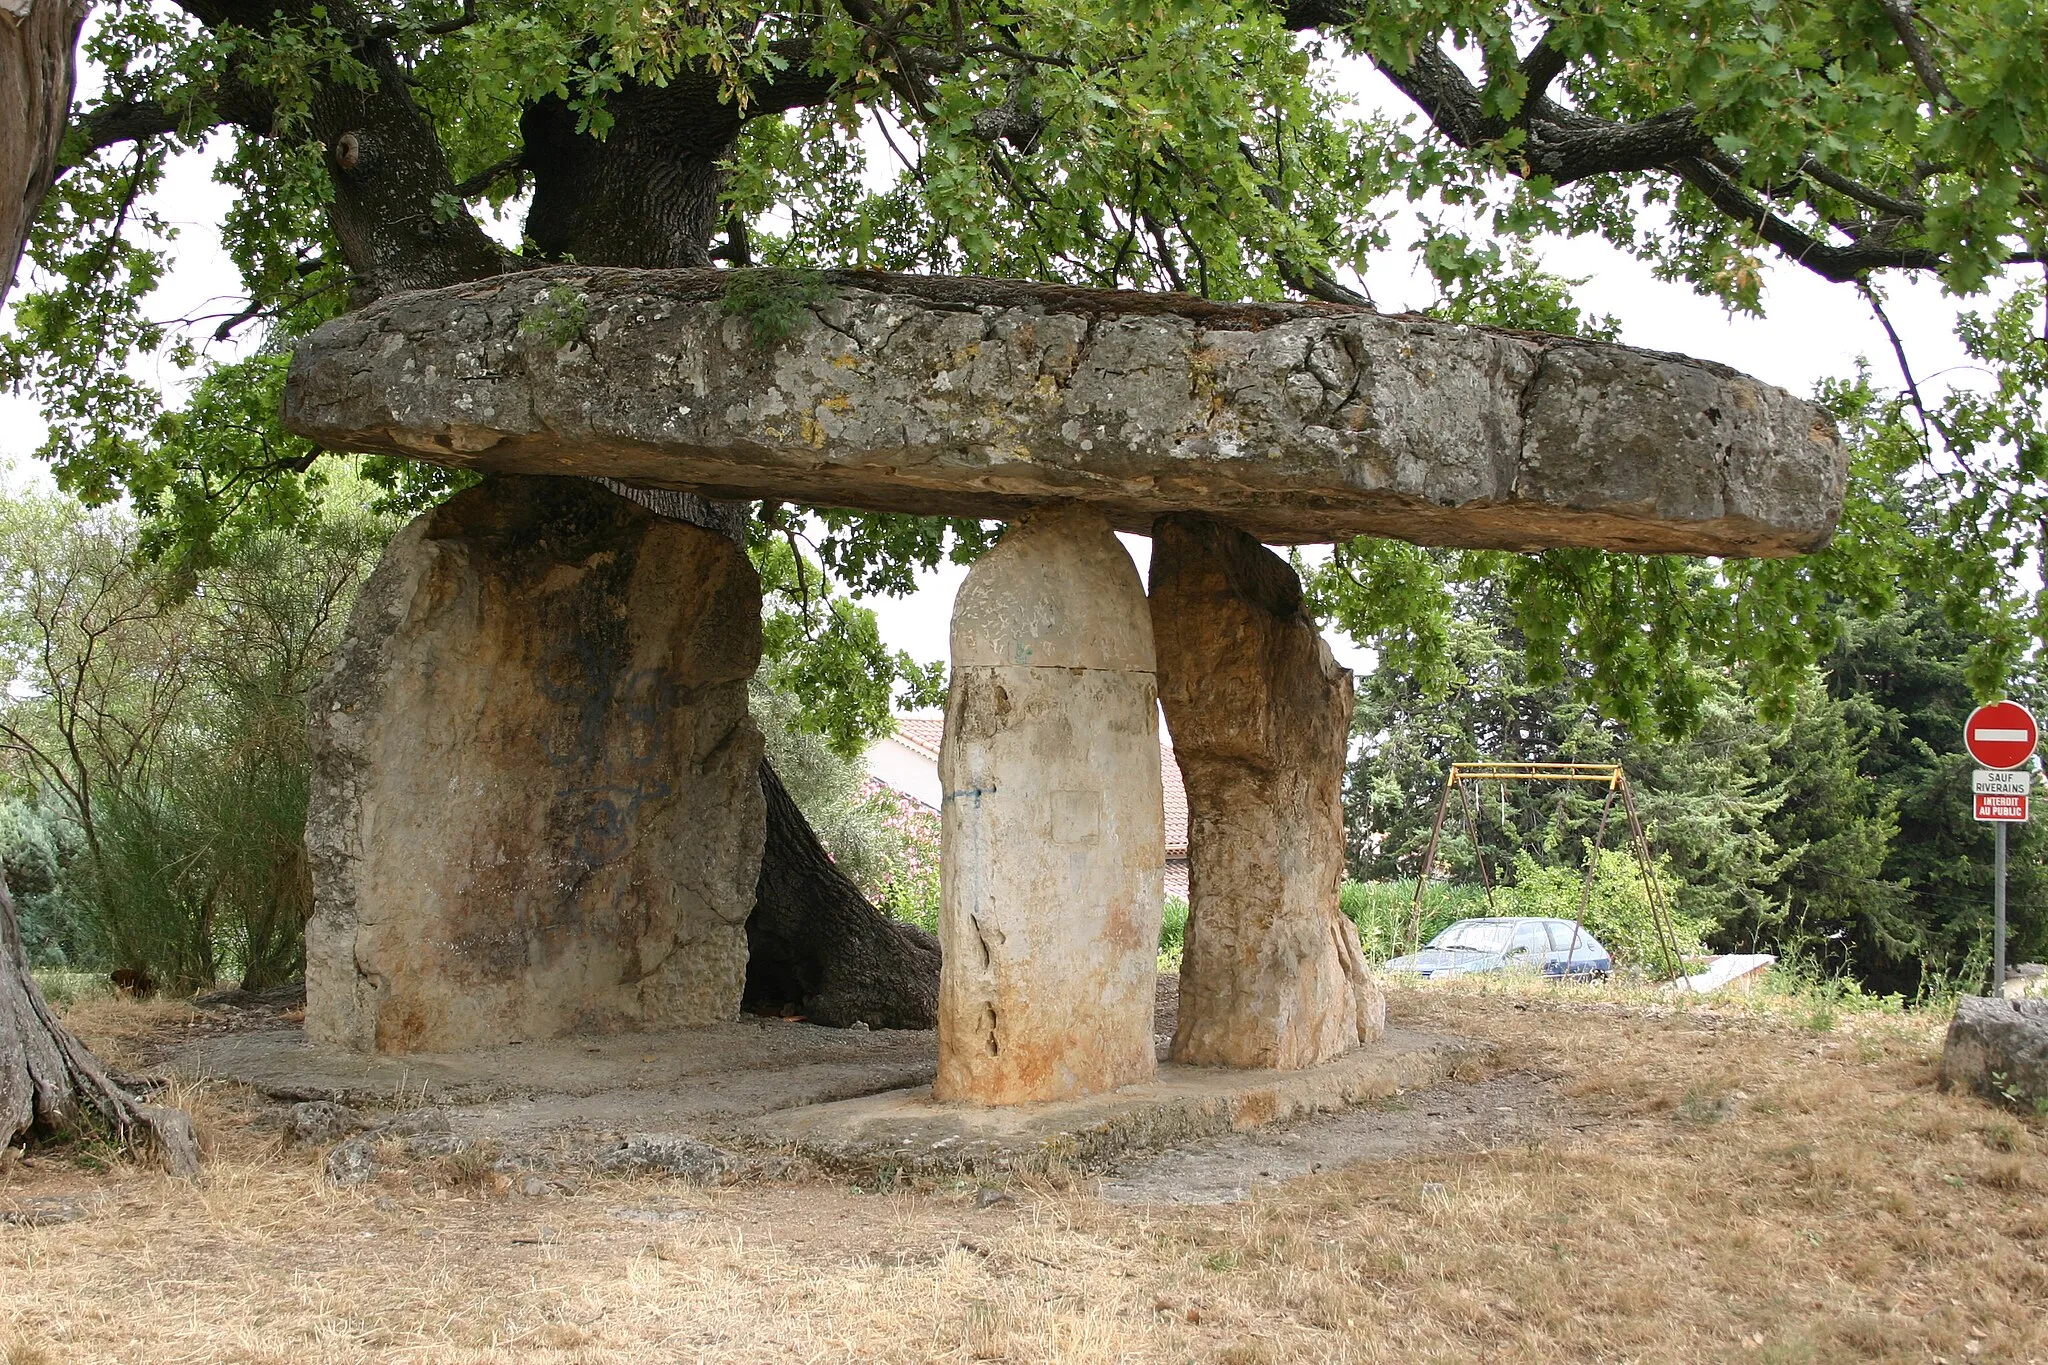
1295 422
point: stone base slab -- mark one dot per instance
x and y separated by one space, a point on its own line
905 1130
846 1100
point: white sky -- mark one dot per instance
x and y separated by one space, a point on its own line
1814 330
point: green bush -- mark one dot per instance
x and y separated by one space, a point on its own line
913 900
907 884
1383 912
153 891
1173 933
64 989
160 711
1617 912
36 849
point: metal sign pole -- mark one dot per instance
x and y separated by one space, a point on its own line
2005 739
1998 922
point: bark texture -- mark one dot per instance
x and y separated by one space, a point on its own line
384 159
1271 974
37 42
535 806
647 195
815 943
1304 422
48 1080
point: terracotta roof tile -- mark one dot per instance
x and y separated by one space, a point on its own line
921 733
1176 802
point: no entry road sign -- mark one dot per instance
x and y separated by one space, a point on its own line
2001 735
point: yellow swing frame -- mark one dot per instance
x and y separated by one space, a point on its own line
1609 775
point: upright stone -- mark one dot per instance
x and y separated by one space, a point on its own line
1271 972
536 808
1052 825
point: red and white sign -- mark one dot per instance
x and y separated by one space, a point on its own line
2001 735
1992 808
2001 796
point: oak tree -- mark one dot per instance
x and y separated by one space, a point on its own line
1209 146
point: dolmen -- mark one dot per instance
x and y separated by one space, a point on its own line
533 805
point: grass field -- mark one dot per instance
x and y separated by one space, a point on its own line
1750 1184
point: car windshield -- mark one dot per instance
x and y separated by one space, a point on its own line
1477 936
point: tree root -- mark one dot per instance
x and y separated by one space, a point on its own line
49 1079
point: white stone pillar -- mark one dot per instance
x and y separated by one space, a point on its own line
1052 827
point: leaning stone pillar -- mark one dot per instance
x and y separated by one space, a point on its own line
535 804
1271 973
1052 825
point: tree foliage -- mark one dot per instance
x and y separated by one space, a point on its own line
1840 834
153 762
1203 145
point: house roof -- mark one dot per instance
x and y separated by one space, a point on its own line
1176 801
921 735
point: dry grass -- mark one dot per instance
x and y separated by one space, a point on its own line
1741 1188
122 1028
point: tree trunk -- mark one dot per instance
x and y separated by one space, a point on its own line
48 1079
647 195
814 942
37 39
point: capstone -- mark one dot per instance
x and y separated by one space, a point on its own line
1295 422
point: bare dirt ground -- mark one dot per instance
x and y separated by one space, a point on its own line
1631 1182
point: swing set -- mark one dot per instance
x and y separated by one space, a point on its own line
1609 775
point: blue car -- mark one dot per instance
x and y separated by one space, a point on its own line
1509 944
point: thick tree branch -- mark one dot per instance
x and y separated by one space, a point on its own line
230 103
1840 264
1565 145
392 186
1544 63
795 86
1016 121
445 26
110 125
1900 12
